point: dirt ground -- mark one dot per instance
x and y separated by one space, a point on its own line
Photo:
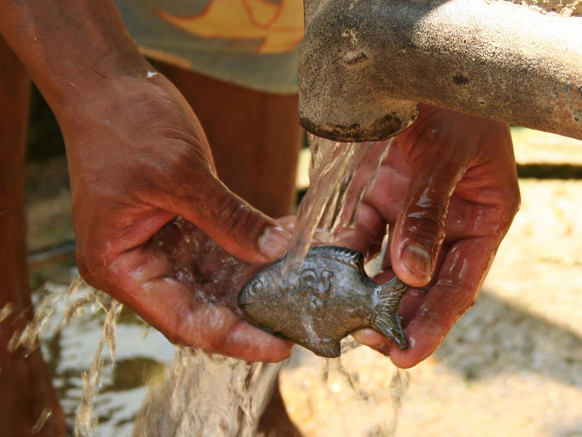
512 366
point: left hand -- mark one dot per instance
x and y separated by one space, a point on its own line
448 190
139 159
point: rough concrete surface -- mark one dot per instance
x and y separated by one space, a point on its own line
492 59
564 7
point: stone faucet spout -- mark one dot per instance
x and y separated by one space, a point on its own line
365 64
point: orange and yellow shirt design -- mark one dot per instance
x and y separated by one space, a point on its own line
278 26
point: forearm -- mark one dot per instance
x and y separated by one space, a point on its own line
70 48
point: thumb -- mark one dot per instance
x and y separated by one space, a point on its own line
232 223
419 231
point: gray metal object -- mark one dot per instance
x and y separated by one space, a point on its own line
365 64
327 298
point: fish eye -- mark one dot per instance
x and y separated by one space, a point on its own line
257 286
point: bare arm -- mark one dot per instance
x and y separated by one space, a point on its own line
138 158
70 47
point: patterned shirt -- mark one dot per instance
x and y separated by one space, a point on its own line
253 43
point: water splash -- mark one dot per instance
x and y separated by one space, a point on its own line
340 175
359 394
77 304
85 424
45 309
45 415
398 387
6 311
208 395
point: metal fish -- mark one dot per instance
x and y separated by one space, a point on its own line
326 299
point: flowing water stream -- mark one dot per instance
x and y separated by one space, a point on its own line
210 395
339 176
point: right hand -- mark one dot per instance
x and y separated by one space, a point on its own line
138 159
448 190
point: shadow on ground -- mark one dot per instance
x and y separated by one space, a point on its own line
497 337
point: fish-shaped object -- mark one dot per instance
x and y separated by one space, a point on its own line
328 297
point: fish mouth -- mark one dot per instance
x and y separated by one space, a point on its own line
243 305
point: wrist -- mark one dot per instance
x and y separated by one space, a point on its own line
90 72
96 85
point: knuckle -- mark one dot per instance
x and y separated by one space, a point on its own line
428 225
508 208
235 218
458 297
439 326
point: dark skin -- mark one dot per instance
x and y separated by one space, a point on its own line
448 190
273 192
256 150
139 157
24 380
137 150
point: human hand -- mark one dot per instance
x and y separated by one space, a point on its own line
138 158
448 189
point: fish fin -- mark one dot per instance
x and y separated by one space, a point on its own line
385 318
328 348
344 255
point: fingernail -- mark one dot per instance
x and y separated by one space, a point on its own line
273 242
417 261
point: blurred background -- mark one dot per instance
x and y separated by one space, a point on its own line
512 366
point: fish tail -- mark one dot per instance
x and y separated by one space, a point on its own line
385 314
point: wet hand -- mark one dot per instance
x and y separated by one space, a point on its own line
448 190
138 159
